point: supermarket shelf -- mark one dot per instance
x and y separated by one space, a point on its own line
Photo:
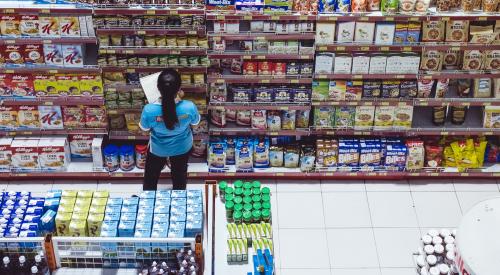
126 135
231 15
162 30
271 79
431 15
261 36
423 75
417 47
257 105
50 70
416 131
259 56
153 69
122 111
147 10
59 101
232 131
46 9
48 40
41 132
189 51
201 88
199 171
413 102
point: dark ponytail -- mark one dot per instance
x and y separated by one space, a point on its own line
169 82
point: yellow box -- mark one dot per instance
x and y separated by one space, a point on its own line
99 201
91 85
67 85
69 193
85 194
94 223
97 209
41 84
78 228
101 194
67 201
79 215
66 208
83 201
51 83
82 208
63 220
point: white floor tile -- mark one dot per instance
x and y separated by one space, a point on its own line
475 185
469 199
398 271
75 185
300 210
432 185
342 186
346 209
396 245
437 209
352 248
392 209
356 271
298 186
386 186
304 271
303 248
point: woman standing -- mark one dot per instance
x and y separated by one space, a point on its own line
169 122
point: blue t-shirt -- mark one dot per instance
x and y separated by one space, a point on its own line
165 142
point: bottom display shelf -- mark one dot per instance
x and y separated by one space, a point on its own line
200 171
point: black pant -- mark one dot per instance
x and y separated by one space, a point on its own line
154 165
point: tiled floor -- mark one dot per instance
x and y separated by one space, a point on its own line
343 227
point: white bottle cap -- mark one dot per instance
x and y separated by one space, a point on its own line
421 260
445 232
429 249
34 269
154 263
437 240
190 252
192 260
163 264
449 239
433 271
161 271
450 247
181 269
450 256
6 260
433 232
444 269
184 262
426 239
154 269
424 271
431 259
38 259
192 268
439 249
22 260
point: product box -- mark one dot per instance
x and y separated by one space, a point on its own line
111 216
63 220
8 117
50 117
5 79
80 147
47 221
395 157
90 25
364 32
370 155
22 86
163 194
97 158
69 26
401 33
325 33
41 85
78 228
82 21
90 85
52 203
95 117
324 63
53 154
53 55
73 116
162 209
342 64
66 85
384 117
403 116
360 64
384 33
97 209
378 63
491 117
345 32
72 56
348 156
48 26
33 55
10 25
126 228
193 208
94 223
5 153
28 117
178 194
364 117
128 216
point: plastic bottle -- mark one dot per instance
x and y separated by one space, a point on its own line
6 267
23 266
40 264
35 271
180 255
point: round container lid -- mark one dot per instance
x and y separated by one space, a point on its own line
237 199
426 239
434 271
477 238
256 184
237 215
256 198
238 207
247 207
256 191
444 269
266 213
238 191
247 192
431 259
247 185
229 197
429 249
437 240
256 214
223 184
445 232
247 199
433 232
449 239
266 190
266 197
229 205
266 205
450 247
439 249
229 190
257 206
247 215
238 184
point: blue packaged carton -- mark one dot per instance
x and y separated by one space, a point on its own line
177 226
131 201
32 218
28 234
194 193
34 210
115 201
53 194
109 225
163 194
126 228
348 155
193 228
159 218
48 222
178 217
129 209
144 217
36 202
145 210
52 204
30 226
178 194
175 233
370 154
162 209
157 234
143 225
148 203
112 216
193 208
179 202
161 226
128 216
147 195
194 200
177 209
395 157
163 201
194 216
114 208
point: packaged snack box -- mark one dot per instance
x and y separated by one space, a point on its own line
28 25
28 117
53 55
91 85
72 56
9 25
33 55
5 153
50 117
78 228
25 154
53 154
22 85
69 26
8 117
49 26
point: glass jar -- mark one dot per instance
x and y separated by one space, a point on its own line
266 215
229 209
247 217
439 115
458 114
256 216
237 217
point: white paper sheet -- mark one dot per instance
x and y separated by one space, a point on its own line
149 85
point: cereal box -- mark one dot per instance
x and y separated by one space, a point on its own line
33 54
28 117
53 154
95 117
50 117
8 117
416 151
5 154
403 116
5 90
53 55
63 84
2 55
69 26
14 55
9 25
384 117
91 85
491 117
29 25
72 55
49 26
81 146
22 85
41 84
24 154
337 89
364 117
73 116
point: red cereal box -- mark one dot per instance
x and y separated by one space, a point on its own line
95 117
22 85
8 117
28 117
80 146
266 68
279 68
250 68
9 25
2 55
5 154
73 116
5 85
33 54
14 55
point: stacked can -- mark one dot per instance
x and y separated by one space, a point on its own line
246 202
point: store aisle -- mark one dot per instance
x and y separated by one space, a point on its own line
364 228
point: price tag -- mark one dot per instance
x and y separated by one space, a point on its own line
341 48
273 133
329 174
275 17
384 103
434 174
372 174
220 17
216 38
260 57
175 52
48 103
464 174
400 76
110 51
321 76
414 174
303 17
445 18
364 48
231 174
315 103
363 18
427 77
131 137
322 48
8 11
304 57
384 49
488 133
465 104
151 12
141 32
407 49
112 112
366 133
403 104
444 133
280 174
47 41
260 38
352 174
174 12
247 17
496 175
131 70
111 89
482 18
192 32
53 71
219 81
22 175
284 108
357 76
332 18
45 11
368 103
192 174
455 48
352 103
330 133
487 103
10 42
358 133
389 19
294 81
129 52
265 81
247 57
